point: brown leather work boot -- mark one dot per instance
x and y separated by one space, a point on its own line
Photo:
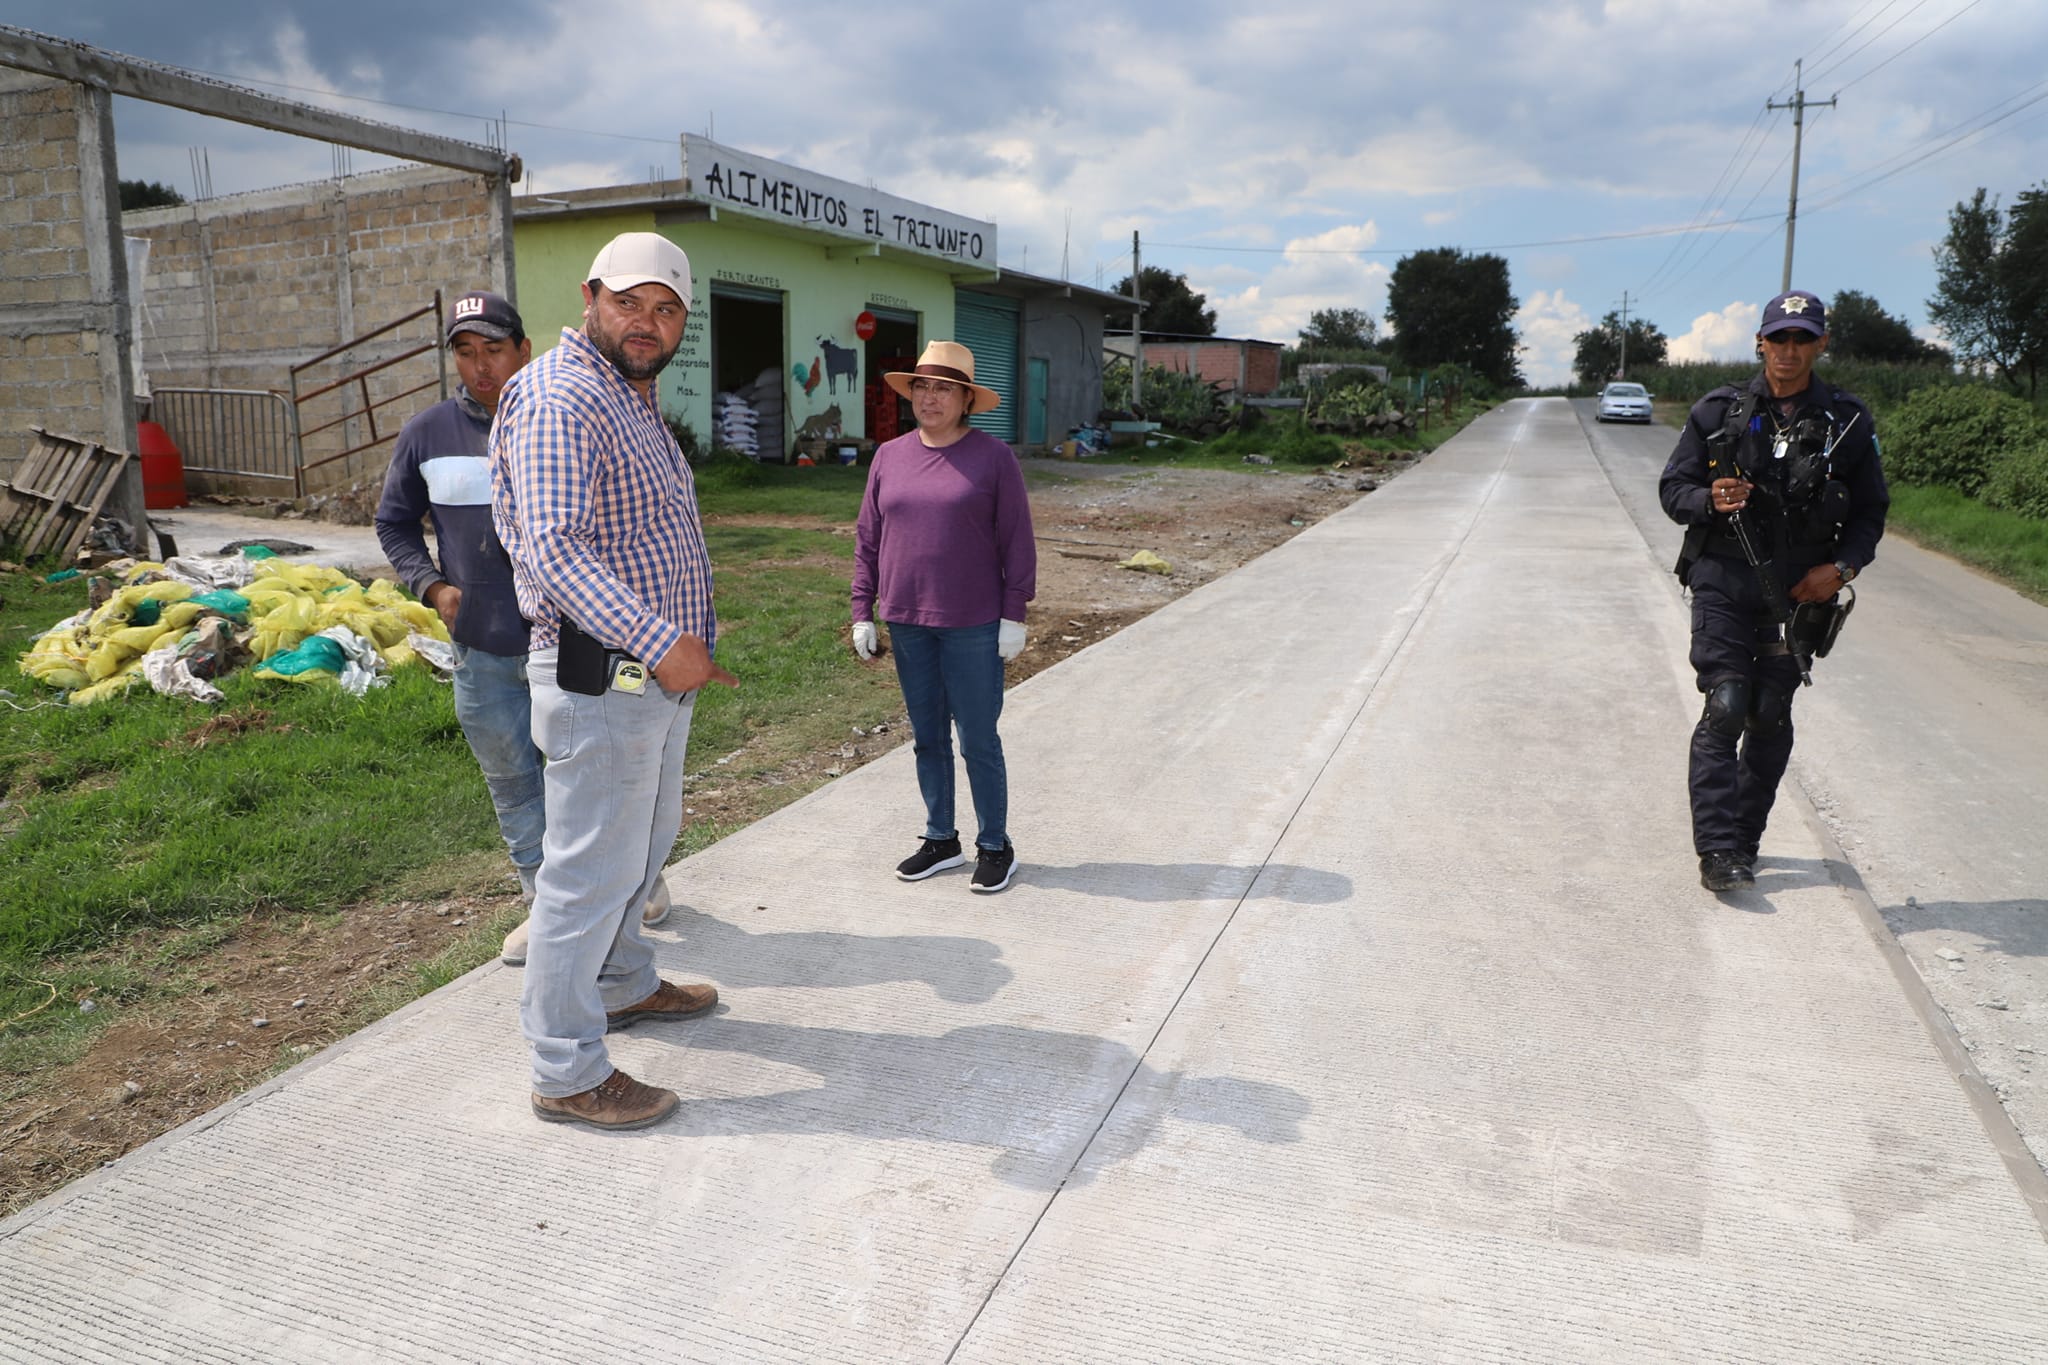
618 1101
669 1001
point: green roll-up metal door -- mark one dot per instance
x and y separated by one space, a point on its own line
988 326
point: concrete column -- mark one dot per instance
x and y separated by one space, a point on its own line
107 265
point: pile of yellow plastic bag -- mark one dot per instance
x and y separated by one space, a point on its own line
100 652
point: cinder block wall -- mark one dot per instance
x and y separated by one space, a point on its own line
1262 370
62 331
242 287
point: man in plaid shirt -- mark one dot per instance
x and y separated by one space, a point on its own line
597 509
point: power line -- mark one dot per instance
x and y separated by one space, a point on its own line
1910 46
429 109
1681 250
1407 251
1741 216
1876 180
1712 202
1873 38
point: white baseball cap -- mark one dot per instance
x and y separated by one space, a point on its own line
636 258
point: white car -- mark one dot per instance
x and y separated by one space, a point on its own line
1624 403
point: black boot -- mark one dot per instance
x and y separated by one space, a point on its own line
1725 869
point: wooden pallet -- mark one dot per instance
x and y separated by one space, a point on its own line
49 506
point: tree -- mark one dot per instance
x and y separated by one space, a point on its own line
1340 329
148 194
1170 306
1991 287
1449 306
1599 357
1860 329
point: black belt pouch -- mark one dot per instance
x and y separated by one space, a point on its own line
582 663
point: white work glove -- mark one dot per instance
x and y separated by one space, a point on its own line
864 640
1010 639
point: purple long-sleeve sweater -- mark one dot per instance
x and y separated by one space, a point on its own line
944 537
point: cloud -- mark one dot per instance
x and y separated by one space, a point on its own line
1547 325
1317 271
1729 334
1070 124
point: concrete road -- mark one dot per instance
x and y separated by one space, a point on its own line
1356 1001
207 530
1924 744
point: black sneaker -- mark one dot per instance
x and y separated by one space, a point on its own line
933 855
993 868
1725 869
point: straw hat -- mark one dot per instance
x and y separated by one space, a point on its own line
951 361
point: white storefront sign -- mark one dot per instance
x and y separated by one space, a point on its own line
753 184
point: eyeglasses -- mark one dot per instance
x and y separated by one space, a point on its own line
1791 337
934 386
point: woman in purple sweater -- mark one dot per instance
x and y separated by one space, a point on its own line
944 551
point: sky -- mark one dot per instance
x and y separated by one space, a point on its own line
1283 161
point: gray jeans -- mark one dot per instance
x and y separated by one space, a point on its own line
614 806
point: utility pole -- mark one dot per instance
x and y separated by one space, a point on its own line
1621 370
1137 326
1797 104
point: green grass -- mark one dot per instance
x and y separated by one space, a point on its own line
1285 441
782 631
299 798
732 485
146 811
2013 547
135 812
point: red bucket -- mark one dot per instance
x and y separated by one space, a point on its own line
163 468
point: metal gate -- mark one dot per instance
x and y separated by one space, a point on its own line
988 326
230 433
356 423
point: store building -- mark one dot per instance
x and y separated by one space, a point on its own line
809 289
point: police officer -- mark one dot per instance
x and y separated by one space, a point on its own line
1792 461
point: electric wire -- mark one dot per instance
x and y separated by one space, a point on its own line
1910 46
1715 196
1819 61
1811 55
1660 278
429 109
1823 71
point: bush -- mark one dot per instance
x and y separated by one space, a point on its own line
1178 401
1285 441
1954 434
686 437
1879 384
2018 481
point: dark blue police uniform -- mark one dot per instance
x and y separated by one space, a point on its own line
1806 510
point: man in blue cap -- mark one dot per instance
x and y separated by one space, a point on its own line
441 470
1781 490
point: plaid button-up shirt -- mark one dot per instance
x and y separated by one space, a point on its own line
597 508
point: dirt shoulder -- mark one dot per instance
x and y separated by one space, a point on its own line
189 1038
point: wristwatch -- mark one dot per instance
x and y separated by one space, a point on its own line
1846 570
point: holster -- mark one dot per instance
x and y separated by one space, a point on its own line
1689 552
584 663
1814 626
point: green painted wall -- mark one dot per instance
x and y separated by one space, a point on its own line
821 297
550 257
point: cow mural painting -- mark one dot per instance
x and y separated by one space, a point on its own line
840 361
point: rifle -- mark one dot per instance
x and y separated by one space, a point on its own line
1813 625
1774 596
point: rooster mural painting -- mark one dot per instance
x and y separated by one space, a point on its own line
808 378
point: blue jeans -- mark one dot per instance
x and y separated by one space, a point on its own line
954 678
614 807
496 714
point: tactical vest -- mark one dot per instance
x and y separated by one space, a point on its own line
1799 505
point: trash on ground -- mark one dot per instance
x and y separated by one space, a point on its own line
179 625
1145 561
